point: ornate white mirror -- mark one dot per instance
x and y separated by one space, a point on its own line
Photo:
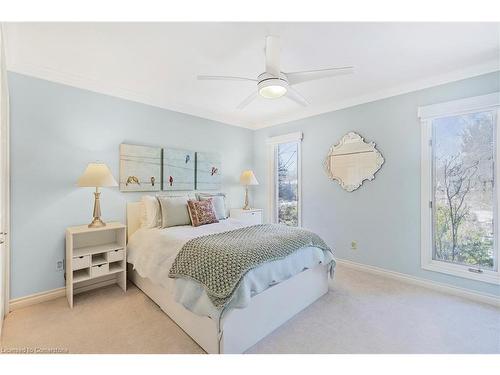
352 161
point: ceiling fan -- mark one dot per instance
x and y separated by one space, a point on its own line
274 83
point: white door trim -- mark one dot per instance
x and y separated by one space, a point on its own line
5 171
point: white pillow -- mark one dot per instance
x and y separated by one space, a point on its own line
151 217
174 210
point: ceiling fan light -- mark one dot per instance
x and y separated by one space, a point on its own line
271 87
272 91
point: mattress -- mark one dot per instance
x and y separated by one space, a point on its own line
153 251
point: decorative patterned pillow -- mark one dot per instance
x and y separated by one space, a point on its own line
219 201
201 212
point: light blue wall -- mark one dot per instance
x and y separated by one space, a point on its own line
383 215
55 131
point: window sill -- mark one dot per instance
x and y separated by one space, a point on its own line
490 277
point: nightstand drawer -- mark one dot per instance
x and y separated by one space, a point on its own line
252 216
100 270
116 255
249 217
80 262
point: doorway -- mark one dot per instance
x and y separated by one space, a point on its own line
4 184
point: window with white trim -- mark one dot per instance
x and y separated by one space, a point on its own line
460 192
285 175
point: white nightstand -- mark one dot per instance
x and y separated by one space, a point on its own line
252 216
95 257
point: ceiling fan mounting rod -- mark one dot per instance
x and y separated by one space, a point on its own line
265 76
273 78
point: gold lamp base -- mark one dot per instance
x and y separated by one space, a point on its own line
97 222
246 205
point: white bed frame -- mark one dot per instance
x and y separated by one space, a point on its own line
240 328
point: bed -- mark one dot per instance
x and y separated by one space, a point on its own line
238 328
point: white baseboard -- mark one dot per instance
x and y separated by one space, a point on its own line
446 288
33 299
490 299
49 295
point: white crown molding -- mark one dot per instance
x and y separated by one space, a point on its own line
441 287
457 75
97 86
94 85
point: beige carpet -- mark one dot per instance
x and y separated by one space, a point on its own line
363 313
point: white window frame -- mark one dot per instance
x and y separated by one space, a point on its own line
427 114
272 162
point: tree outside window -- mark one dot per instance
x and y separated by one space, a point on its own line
288 183
463 179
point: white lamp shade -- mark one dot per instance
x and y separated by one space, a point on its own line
248 178
97 175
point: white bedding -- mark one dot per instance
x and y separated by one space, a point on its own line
152 252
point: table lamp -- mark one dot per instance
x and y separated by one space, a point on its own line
247 178
97 175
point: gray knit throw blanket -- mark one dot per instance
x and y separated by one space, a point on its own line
220 261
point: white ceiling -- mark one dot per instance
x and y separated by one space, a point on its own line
157 63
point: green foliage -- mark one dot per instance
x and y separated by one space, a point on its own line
476 250
473 247
288 214
442 233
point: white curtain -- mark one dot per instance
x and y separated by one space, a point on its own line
4 179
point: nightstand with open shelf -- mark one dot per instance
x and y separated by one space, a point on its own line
95 257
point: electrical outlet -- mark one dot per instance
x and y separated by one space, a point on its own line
60 265
354 245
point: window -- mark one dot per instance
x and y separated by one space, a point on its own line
459 189
284 167
287 183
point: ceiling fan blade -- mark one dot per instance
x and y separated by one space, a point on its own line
296 97
273 55
225 78
310 75
247 100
